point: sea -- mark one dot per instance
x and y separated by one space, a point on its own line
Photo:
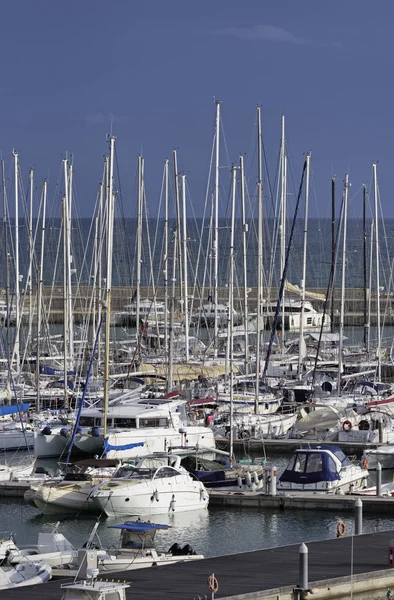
201 252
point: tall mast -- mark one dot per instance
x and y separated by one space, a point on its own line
65 303
283 216
343 284
244 244
139 242
332 250
31 249
365 263
216 237
69 265
170 380
308 159
178 220
259 255
6 255
166 186
110 227
185 283
230 339
17 290
39 290
378 332
100 254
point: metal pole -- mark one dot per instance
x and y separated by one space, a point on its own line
378 479
303 573
358 520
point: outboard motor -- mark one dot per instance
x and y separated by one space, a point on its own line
175 549
64 432
47 430
187 550
95 432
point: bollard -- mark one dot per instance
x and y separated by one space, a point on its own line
390 560
303 552
273 481
358 521
378 479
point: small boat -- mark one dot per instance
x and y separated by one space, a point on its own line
30 573
322 469
383 454
137 549
52 548
93 589
157 484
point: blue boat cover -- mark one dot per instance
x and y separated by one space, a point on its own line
11 409
312 465
139 526
108 446
46 370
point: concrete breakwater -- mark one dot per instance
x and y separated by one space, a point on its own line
123 295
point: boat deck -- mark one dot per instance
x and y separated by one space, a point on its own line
245 573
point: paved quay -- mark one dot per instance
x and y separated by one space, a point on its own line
269 573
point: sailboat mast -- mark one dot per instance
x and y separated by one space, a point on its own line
165 270
139 243
29 275
178 221
259 255
244 247
216 236
378 331
17 290
365 263
185 282
65 303
283 216
343 284
332 250
110 227
230 339
39 290
69 266
170 379
301 342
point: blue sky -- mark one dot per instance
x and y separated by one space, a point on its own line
157 67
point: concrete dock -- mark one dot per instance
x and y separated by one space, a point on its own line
337 568
303 501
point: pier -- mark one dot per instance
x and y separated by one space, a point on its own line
337 568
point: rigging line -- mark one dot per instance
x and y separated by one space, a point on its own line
284 274
84 392
330 285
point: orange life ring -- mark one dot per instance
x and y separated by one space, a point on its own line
341 528
347 425
213 584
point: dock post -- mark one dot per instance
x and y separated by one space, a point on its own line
303 552
273 481
378 479
358 521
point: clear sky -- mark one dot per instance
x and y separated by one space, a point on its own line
156 67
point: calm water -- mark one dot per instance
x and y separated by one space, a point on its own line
213 532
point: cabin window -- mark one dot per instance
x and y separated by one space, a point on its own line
315 463
309 320
299 466
163 422
87 422
122 422
167 472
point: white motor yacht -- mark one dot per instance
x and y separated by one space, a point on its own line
156 485
322 469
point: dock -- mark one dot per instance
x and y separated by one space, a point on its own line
287 446
269 574
303 501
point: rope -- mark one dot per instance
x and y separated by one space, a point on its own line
284 274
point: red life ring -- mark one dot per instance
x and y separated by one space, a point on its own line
347 425
341 528
213 584
365 463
